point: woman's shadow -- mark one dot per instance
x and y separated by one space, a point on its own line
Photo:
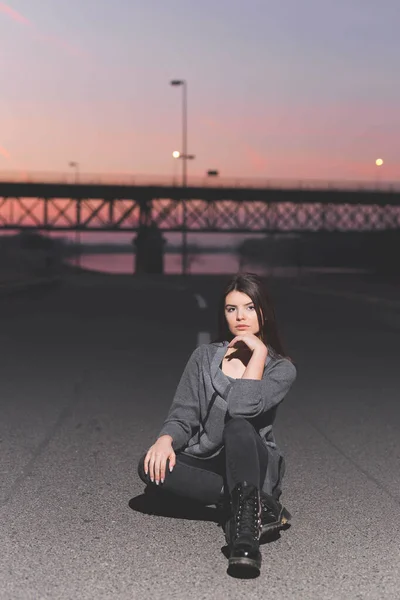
165 504
158 502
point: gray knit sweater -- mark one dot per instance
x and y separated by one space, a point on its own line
205 395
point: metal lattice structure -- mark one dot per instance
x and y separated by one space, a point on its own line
85 207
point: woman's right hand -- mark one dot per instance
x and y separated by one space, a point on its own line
156 459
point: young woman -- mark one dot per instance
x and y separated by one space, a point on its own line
217 442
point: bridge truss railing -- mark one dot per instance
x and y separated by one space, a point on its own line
126 208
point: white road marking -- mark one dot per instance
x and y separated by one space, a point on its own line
200 301
203 337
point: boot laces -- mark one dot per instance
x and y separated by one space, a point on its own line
248 518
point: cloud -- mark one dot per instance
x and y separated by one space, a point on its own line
47 38
257 160
14 15
4 152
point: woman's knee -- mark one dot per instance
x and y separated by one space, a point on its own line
237 425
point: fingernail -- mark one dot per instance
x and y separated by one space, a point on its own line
157 482
151 479
170 469
162 480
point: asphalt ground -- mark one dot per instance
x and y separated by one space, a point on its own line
88 371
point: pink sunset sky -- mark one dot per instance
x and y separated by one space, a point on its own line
276 90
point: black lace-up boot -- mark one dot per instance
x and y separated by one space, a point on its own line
274 516
244 528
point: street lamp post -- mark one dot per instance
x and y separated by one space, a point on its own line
379 164
185 157
74 165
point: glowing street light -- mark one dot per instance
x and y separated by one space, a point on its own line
379 163
176 154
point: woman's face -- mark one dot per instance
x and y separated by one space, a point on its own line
240 314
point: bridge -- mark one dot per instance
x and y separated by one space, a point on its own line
99 203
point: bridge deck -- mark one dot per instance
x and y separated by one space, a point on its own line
299 192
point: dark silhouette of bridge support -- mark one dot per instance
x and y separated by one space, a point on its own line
149 243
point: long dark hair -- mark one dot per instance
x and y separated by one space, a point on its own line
254 287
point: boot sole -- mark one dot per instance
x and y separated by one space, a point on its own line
281 523
245 564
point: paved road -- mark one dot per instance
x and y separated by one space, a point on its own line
88 371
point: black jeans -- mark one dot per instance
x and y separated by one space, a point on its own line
243 457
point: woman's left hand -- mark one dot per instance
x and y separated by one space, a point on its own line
251 341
